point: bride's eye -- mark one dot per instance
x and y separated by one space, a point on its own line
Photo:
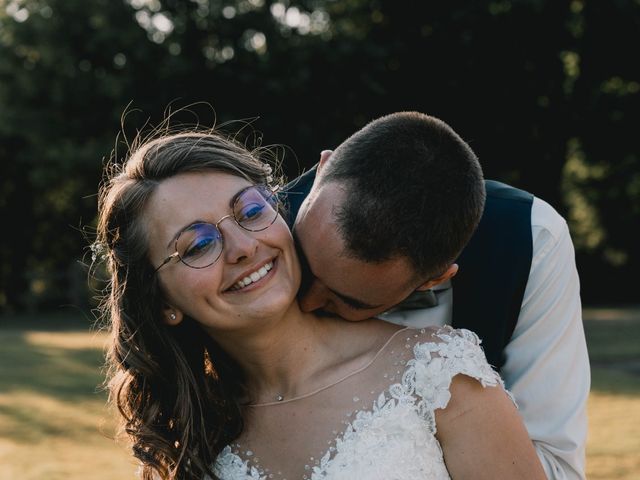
198 247
199 241
250 212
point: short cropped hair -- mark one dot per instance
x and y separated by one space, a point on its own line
414 189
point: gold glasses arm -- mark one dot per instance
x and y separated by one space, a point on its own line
167 260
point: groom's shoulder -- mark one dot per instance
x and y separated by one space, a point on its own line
302 183
523 203
499 191
506 206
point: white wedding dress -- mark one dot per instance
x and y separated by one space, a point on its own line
376 423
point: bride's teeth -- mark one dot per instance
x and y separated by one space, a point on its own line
253 277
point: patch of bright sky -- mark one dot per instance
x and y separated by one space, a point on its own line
153 5
255 41
158 25
15 10
219 55
315 22
229 12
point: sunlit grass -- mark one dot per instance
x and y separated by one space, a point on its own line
65 340
613 447
54 423
43 437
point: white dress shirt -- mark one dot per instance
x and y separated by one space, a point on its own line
547 366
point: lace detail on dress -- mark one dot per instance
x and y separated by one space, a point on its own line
230 466
430 373
395 438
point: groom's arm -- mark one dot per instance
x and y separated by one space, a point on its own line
547 367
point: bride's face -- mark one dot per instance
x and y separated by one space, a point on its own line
216 296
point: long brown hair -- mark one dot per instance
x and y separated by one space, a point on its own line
177 391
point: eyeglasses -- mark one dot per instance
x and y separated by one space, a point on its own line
200 244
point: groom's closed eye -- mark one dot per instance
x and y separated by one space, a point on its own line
354 303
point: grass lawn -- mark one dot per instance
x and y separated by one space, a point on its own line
613 448
54 424
53 421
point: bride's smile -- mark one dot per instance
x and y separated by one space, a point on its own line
254 278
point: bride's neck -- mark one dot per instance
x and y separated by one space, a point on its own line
278 355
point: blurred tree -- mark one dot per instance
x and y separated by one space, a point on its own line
602 173
528 83
59 84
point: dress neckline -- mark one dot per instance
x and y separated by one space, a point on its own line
324 387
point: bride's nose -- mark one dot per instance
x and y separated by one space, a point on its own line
238 242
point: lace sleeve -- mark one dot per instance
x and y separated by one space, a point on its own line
456 351
229 466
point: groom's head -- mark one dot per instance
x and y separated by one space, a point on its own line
389 212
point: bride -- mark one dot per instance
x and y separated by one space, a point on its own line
217 373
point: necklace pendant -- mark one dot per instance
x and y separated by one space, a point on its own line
279 398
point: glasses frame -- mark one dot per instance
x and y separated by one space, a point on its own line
232 215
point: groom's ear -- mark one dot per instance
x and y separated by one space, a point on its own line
447 275
324 156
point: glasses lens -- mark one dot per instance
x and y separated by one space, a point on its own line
255 208
199 245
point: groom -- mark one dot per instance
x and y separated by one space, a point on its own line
398 223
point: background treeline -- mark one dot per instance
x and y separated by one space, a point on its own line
546 92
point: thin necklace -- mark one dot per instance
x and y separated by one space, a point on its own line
280 398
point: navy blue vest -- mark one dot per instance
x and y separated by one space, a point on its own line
494 266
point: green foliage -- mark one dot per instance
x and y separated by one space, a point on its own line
529 84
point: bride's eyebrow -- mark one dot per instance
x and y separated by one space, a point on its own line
183 229
232 202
